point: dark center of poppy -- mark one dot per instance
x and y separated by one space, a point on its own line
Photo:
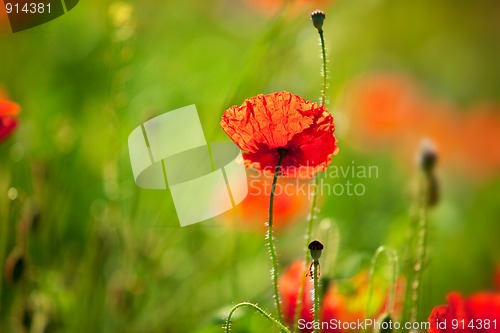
282 151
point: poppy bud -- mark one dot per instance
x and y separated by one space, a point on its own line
315 247
428 157
15 266
318 17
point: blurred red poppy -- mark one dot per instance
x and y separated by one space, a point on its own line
477 313
391 111
291 203
272 7
345 302
266 124
8 113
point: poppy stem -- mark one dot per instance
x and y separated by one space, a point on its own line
417 250
310 224
258 309
298 307
317 18
272 251
420 252
392 258
323 71
316 296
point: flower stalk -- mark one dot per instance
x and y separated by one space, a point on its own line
427 196
317 18
259 310
316 294
316 248
323 72
272 251
393 269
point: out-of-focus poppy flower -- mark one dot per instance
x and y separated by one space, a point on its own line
291 203
266 124
383 106
481 127
391 112
8 113
476 313
344 302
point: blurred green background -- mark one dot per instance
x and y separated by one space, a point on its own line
102 255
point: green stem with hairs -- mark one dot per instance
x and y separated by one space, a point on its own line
272 251
316 295
324 73
392 257
258 309
310 223
416 284
417 251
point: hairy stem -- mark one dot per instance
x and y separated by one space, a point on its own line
392 258
310 224
272 251
417 251
323 72
416 284
316 294
258 309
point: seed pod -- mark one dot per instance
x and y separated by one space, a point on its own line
318 17
315 247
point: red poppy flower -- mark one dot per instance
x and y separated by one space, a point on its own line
8 112
264 124
345 302
477 313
